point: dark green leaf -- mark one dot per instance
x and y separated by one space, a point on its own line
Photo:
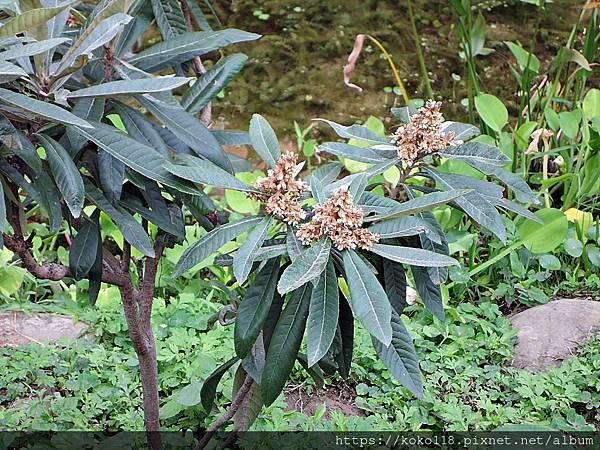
400 357
323 315
428 291
284 345
130 87
212 82
418 204
345 330
264 140
66 174
141 158
369 301
355 132
205 172
84 247
394 279
169 17
43 109
186 46
306 267
254 308
208 391
244 257
210 243
132 231
187 128
413 256
476 152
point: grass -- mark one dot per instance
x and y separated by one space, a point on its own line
469 386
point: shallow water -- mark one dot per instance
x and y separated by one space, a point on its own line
295 71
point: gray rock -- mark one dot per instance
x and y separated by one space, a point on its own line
17 328
548 334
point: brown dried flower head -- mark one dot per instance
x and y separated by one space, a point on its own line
339 219
280 190
423 134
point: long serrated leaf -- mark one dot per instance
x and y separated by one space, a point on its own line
140 157
169 17
400 226
418 204
394 280
187 128
306 267
3 221
130 87
323 315
31 49
400 357
293 245
88 109
284 345
373 203
474 205
520 188
476 152
210 243
10 72
28 20
82 254
428 291
186 46
46 110
66 174
100 31
254 308
142 128
49 199
369 301
244 257
355 132
352 152
264 140
345 331
205 172
112 175
132 231
413 256
212 82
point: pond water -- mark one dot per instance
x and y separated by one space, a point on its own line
295 71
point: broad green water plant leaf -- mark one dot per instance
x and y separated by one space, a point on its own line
543 238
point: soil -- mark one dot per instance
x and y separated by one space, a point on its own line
338 397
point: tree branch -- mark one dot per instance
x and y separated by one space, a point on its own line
235 404
49 270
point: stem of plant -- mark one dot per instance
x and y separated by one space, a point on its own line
421 58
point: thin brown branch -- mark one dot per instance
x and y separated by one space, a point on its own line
235 404
49 270
198 66
149 279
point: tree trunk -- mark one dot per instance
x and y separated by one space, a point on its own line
144 344
149 377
